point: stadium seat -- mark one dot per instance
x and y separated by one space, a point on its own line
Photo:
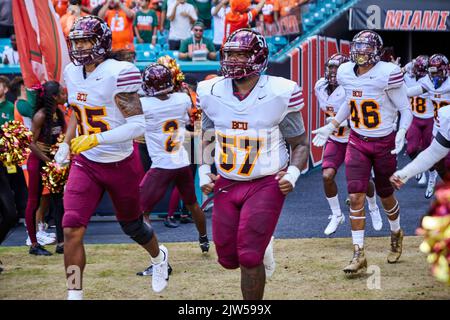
5 42
143 56
208 33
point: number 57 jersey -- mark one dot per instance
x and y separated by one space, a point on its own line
92 100
248 141
372 112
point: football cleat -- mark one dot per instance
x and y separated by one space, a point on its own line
170 222
396 246
269 260
419 176
423 180
39 251
431 184
358 261
160 274
204 243
335 221
149 271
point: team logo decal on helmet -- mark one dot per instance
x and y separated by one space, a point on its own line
420 66
157 80
332 65
438 69
250 43
366 48
95 30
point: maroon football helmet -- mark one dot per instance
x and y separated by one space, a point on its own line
157 80
332 65
420 66
97 31
366 48
250 43
438 69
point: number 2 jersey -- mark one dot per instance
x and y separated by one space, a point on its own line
421 106
372 112
330 104
248 141
165 122
92 100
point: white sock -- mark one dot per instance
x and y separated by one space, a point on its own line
372 202
334 205
358 238
395 224
41 226
74 294
159 258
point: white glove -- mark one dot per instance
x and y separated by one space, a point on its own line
322 134
344 124
62 153
328 119
203 176
399 141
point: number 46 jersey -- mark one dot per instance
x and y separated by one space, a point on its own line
249 144
372 112
92 100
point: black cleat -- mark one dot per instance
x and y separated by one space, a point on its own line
59 249
149 271
170 222
39 251
204 243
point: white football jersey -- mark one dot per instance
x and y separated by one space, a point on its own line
330 104
421 106
92 100
439 97
249 143
165 123
443 123
372 112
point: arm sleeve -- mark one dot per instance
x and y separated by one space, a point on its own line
400 99
128 80
292 125
321 95
426 159
343 113
395 79
296 102
133 128
414 91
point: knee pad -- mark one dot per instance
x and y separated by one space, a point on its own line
137 230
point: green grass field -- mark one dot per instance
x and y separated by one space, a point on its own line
306 269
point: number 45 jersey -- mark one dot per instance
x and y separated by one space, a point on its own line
92 100
248 141
372 112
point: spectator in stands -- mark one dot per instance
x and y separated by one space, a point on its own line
240 16
218 12
203 11
92 6
73 13
197 47
287 6
6 19
182 16
10 54
270 11
145 23
6 107
120 20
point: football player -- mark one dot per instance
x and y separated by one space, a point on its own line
419 134
436 86
166 116
374 92
107 117
251 116
331 96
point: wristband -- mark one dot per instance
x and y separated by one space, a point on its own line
203 171
292 175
